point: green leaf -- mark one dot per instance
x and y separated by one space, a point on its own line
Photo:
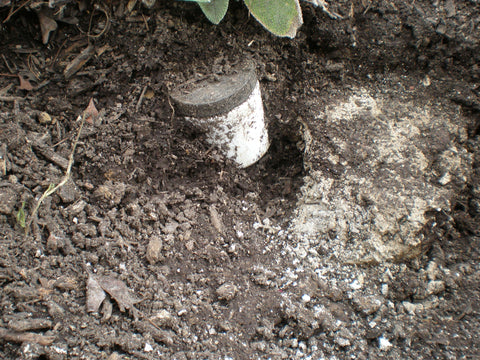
21 216
214 10
280 17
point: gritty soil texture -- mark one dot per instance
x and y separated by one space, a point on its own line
190 249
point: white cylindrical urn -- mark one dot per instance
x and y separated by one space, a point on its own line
230 111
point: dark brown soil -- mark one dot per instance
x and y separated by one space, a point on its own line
151 204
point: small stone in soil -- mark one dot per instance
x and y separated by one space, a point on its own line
226 292
154 250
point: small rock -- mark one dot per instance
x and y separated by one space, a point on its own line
270 77
216 220
306 298
266 331
226 292
384 344
133 209
154 250
342 342
190 245
293 343
111 192
343 337
357 284
445 179
32 351
87 229
55 242
44 118
12 179
164 319
170 227
78 239
68 192
435 287
367 304
325 317
259 346
412 308
55 310
76 208
115 356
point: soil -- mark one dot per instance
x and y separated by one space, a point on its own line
158 247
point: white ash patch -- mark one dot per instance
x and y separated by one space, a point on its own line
376 166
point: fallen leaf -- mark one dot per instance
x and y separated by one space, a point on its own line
95 294
119 292
77 63
131 4
47 24
91 112
24 84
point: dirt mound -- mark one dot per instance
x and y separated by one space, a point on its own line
159 247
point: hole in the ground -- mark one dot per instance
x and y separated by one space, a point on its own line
279 174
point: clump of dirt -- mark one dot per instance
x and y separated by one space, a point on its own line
193 256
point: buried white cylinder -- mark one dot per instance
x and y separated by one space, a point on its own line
241 133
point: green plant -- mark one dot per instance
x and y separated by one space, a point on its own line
280 17
21 216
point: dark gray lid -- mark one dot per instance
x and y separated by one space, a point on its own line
205 98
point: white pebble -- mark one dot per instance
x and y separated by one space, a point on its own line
306 298
384 344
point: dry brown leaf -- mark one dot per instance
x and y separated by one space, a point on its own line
131 4
47 24
77 63
24 84
119 292
91 112
95 294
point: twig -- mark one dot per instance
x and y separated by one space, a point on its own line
173 110
52 188
54 60
80 60
6 89
13 12
6 63
50 154
20 337
107 22
140 100
145 21
11 98
30 65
